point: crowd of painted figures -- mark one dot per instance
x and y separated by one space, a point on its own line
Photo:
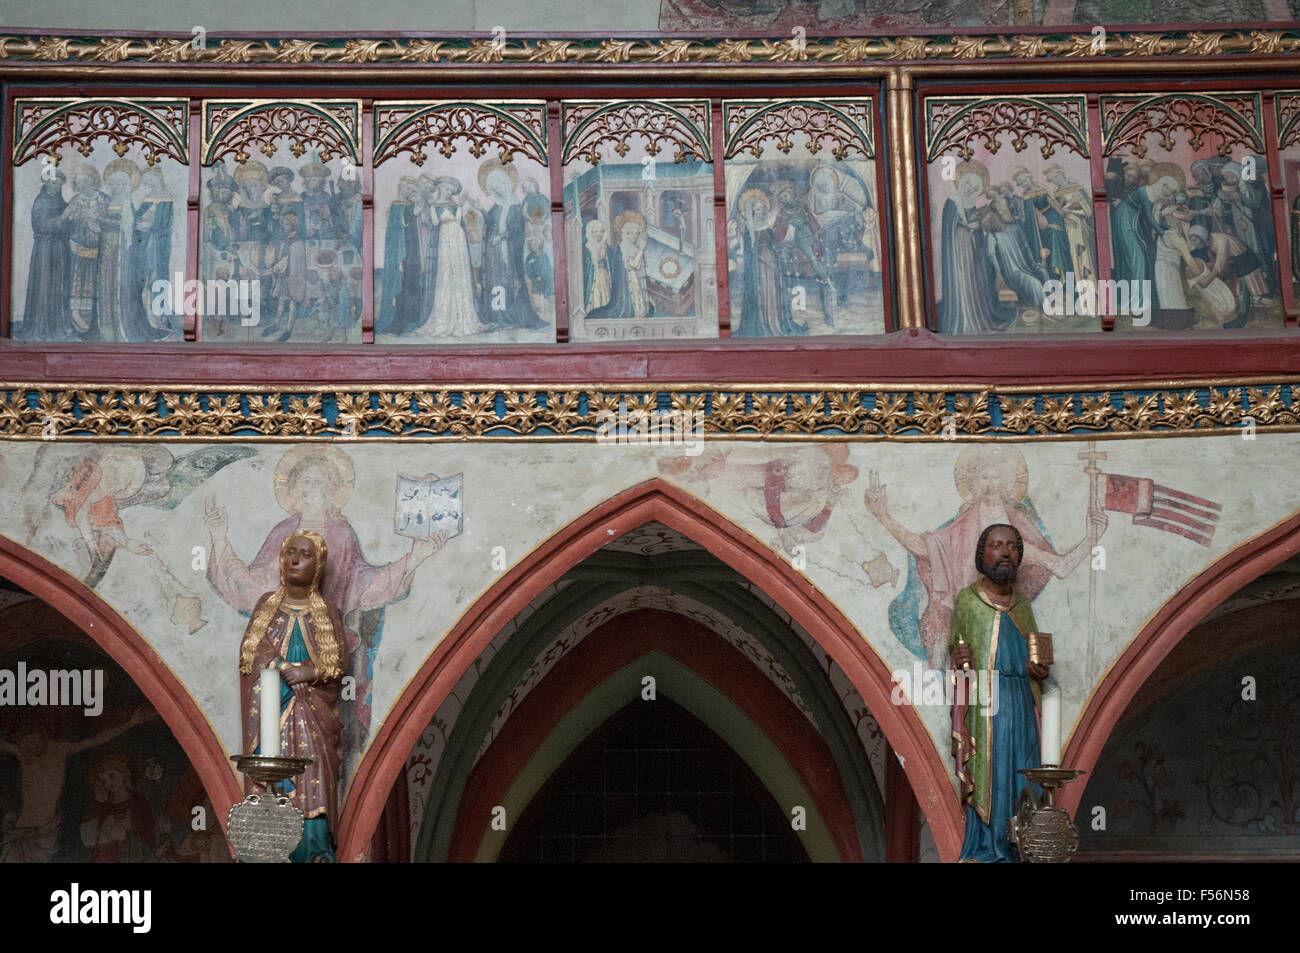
1197 245
99 243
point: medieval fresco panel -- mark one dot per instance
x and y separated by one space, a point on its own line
639 228
1287 106
1190 210
1011 224
463 244
98 243
803 229
281 222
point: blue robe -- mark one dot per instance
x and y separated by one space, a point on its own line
970 302
1133 234
1015 746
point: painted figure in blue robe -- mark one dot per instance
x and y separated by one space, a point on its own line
399 290
766 298
348 223
1044 224
538 271
46 316
629 293
968 273
1134 229
504 300
995 729
152 250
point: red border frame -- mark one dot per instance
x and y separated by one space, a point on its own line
124 645
619 643
653 500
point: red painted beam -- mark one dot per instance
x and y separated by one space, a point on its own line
912 356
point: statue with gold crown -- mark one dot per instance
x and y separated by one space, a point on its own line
295 631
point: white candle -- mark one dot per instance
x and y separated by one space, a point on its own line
1050 742
270 738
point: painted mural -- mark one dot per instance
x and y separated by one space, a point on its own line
638 201
803 229
114 787
1012 232
282 239
1190 208
1094 520
463 224
99 230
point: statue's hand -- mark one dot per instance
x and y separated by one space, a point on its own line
1039 672
875 497
297 674
961 656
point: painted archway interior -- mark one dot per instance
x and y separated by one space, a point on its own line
654 501
84 610
702 700
602 615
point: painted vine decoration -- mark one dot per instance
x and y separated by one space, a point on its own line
682 124
1234 120
238 128
955 125
47 127
840 126
422 50
43 412
513 128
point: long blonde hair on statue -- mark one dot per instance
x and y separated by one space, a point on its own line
329 664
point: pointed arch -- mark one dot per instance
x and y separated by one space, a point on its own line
1158 637
653 500
85 609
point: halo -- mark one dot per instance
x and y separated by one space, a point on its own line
751 196
973 456
974 167
124 165
329 458
835 176
490 166
123 472
1171 169
624 218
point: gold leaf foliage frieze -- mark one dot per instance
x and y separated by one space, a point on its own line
36 412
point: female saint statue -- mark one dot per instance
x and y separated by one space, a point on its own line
294 630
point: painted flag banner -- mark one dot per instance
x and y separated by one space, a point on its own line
1166 509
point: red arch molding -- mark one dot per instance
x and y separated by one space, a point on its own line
654 500
81 606
1159 636
618 643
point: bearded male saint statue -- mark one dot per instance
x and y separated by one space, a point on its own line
294 630
991 625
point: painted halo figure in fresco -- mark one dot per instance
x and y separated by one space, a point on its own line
765 309
399 295
84 219
49 275
595 267
629 296
991 624
296 631
455 308
505 299
970 303
120 301
993 483
313 484
151 251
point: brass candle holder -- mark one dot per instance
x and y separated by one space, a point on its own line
1042 832
266 829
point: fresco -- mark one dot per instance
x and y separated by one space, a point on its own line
1190 208
463 224
115 788
99 219
285 229
1009 224
638 203
803 229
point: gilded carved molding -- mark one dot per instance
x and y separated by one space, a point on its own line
782 412
464 50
